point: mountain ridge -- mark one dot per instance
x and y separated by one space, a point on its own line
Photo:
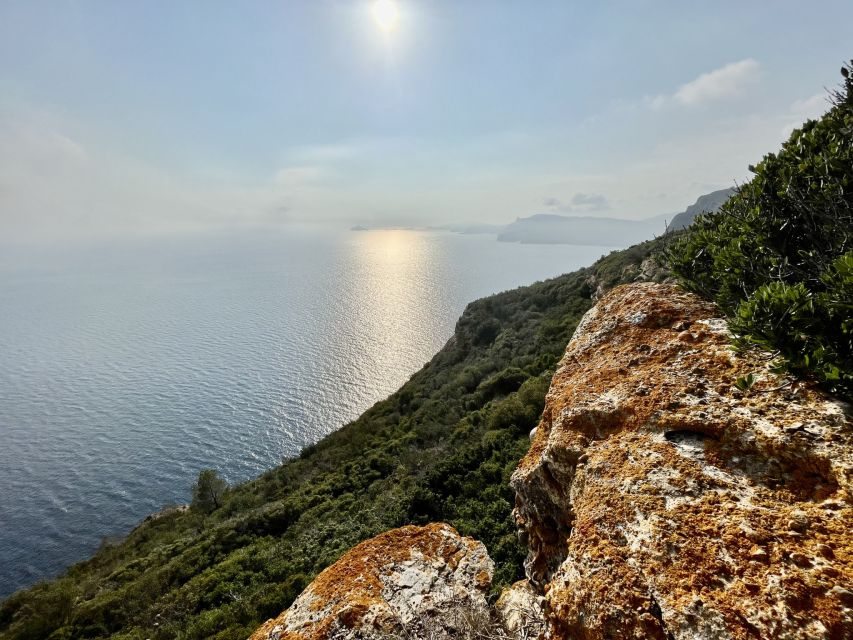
708 203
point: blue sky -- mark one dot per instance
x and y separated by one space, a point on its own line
156 117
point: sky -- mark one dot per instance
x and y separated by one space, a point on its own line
160 117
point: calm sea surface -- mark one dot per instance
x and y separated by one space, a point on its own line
125 370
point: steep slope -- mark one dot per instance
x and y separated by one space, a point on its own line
662 497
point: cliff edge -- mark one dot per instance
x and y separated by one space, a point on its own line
674 489
677 489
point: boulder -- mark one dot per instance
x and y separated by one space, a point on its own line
519 610
412 582
677 489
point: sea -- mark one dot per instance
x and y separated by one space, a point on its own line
127 367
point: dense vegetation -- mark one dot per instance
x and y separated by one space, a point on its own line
440 448
778 256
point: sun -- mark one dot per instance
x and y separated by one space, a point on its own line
386 14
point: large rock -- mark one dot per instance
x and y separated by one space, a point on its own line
519 610
412 582
659 500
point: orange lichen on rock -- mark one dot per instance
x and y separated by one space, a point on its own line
396 584
659 500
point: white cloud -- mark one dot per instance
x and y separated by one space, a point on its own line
719 84
807 108
815 105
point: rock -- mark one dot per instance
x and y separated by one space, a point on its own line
799 521
758 554
595 286
652 271
845 595
697 513
800 559
409 582
826 551
520 611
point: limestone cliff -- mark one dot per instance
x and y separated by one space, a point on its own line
659 500
674 489
411 582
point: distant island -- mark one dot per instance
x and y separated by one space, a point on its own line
548 228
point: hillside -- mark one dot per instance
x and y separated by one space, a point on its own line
441 448
546 228
690 476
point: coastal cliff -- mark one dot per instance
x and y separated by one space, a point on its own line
443 449
660 498
674 488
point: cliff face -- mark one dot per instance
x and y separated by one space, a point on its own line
708 203
673 489
658 500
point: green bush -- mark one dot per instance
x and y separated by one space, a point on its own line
48 608
777 256
503 382
208 491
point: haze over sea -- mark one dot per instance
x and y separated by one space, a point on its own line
125 370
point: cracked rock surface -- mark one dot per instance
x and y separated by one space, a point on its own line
520 611
658 500
409 582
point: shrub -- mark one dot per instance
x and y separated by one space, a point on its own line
503 382
778 256
208 491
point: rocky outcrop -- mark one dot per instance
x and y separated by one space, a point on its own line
677 489
674 489
519 610
649 270
412 582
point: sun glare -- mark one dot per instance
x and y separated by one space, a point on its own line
386 14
